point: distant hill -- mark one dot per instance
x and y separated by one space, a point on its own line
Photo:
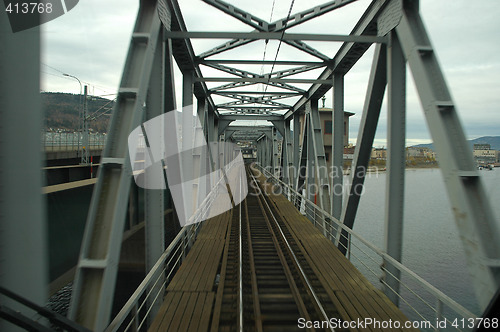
61 111
493 141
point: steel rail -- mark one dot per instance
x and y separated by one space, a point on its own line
293 288
443 298
295 259
240 272
253 274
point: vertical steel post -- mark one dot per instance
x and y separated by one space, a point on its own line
275 156
23 233
396 133
311 179
154 199
296 140
337 145
322 182
288 156
302 157
85 126
201 158
187 139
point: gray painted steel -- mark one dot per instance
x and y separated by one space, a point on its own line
23 245
395 180
474 218
154 199
274 36
337 145
347 56
473 215
95 277
319 157
366 134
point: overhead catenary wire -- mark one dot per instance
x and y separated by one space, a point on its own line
279 44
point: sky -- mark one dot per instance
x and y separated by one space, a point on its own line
91 43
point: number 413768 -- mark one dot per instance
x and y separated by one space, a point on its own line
29 8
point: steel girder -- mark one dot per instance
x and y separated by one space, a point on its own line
337 152
319 157
286 37
347 55
277 26
262 62
269 95
474 217
301 157
182 49
469 202
287 155
243 116
367 128
154 210
396 158
97 267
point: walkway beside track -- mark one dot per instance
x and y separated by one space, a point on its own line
203 294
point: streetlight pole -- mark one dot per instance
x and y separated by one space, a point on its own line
79 111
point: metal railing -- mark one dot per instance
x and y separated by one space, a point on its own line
137 313
65 141
425 302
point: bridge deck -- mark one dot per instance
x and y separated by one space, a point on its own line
196 301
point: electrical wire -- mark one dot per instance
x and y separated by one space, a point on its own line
279 45
52 68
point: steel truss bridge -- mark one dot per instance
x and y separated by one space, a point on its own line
146 91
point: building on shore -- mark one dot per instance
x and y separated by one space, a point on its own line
379 154
484 155
420 152
325 117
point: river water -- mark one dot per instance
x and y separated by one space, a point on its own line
431 246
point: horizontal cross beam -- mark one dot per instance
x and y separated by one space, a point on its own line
263 62
233 117
260 93
274 36
263 80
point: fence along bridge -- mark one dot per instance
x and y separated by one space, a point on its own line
146 91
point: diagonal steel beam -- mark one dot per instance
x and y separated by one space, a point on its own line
348 54
307 15
231 86
225 47
280 25
366 133
475 221
307 49
232 70
295 71
182 49
239 14
95 278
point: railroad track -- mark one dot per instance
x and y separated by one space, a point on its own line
266 281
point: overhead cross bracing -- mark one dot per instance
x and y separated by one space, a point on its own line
228 88
247 92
